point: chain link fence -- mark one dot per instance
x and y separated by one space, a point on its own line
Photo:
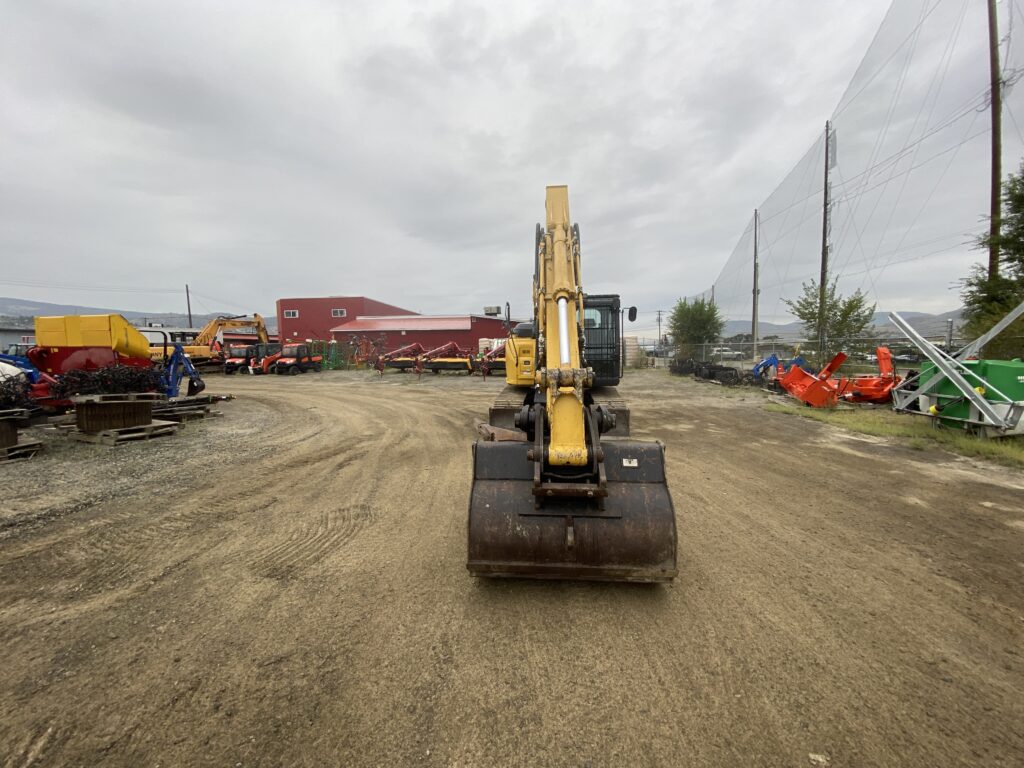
907 163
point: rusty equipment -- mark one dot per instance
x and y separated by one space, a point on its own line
568 502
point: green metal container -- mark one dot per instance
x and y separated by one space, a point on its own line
954 410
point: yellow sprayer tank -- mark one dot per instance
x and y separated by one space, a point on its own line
107 331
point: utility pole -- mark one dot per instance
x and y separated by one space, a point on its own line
757 290
823 284
658 345
188 301
995 206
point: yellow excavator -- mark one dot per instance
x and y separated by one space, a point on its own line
206 348
566 500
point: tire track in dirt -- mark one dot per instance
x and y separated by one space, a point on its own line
312 541
336 622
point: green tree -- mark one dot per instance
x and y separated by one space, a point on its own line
986 301
694 324
845 318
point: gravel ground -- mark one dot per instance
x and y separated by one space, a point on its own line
286 586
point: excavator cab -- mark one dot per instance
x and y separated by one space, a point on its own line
563 499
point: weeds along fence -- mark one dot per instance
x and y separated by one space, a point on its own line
896 191
336 355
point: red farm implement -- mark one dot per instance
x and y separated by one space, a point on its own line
493 361
404 358
448 357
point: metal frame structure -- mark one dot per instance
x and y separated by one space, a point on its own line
1001 416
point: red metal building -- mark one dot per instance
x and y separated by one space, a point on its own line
314 318
429 330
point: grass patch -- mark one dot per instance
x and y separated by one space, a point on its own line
917 432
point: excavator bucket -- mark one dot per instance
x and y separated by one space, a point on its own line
630 537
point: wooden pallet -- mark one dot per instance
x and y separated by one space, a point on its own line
124 434
23 450
186 414
120 398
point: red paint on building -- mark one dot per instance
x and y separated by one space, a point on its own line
314 317
429 330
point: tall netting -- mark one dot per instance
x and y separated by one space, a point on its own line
909 160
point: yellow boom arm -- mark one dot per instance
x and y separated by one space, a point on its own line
558 307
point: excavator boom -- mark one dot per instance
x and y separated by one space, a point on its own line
566 502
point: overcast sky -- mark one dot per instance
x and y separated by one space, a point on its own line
398 150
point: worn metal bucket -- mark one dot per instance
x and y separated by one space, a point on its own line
633 538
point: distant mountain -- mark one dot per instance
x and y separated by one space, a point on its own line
929 325
20 312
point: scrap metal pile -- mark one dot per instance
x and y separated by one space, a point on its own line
114 379
795 377
14 393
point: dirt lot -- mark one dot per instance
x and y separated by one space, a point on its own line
286 586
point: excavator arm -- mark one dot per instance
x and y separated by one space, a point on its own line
208 334
558 299
566 501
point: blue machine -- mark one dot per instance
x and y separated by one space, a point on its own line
760 369
19 361
176 367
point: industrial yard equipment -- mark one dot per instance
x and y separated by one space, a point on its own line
295 359
448 357
404 358
238 359
265 355
87 342
723 374
961 391
567 502
100 354
207 347
493 361
872 388
175 368
601 351
761 370
817 391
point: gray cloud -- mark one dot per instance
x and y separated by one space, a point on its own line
400 150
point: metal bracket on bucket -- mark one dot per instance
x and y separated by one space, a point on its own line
591 495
